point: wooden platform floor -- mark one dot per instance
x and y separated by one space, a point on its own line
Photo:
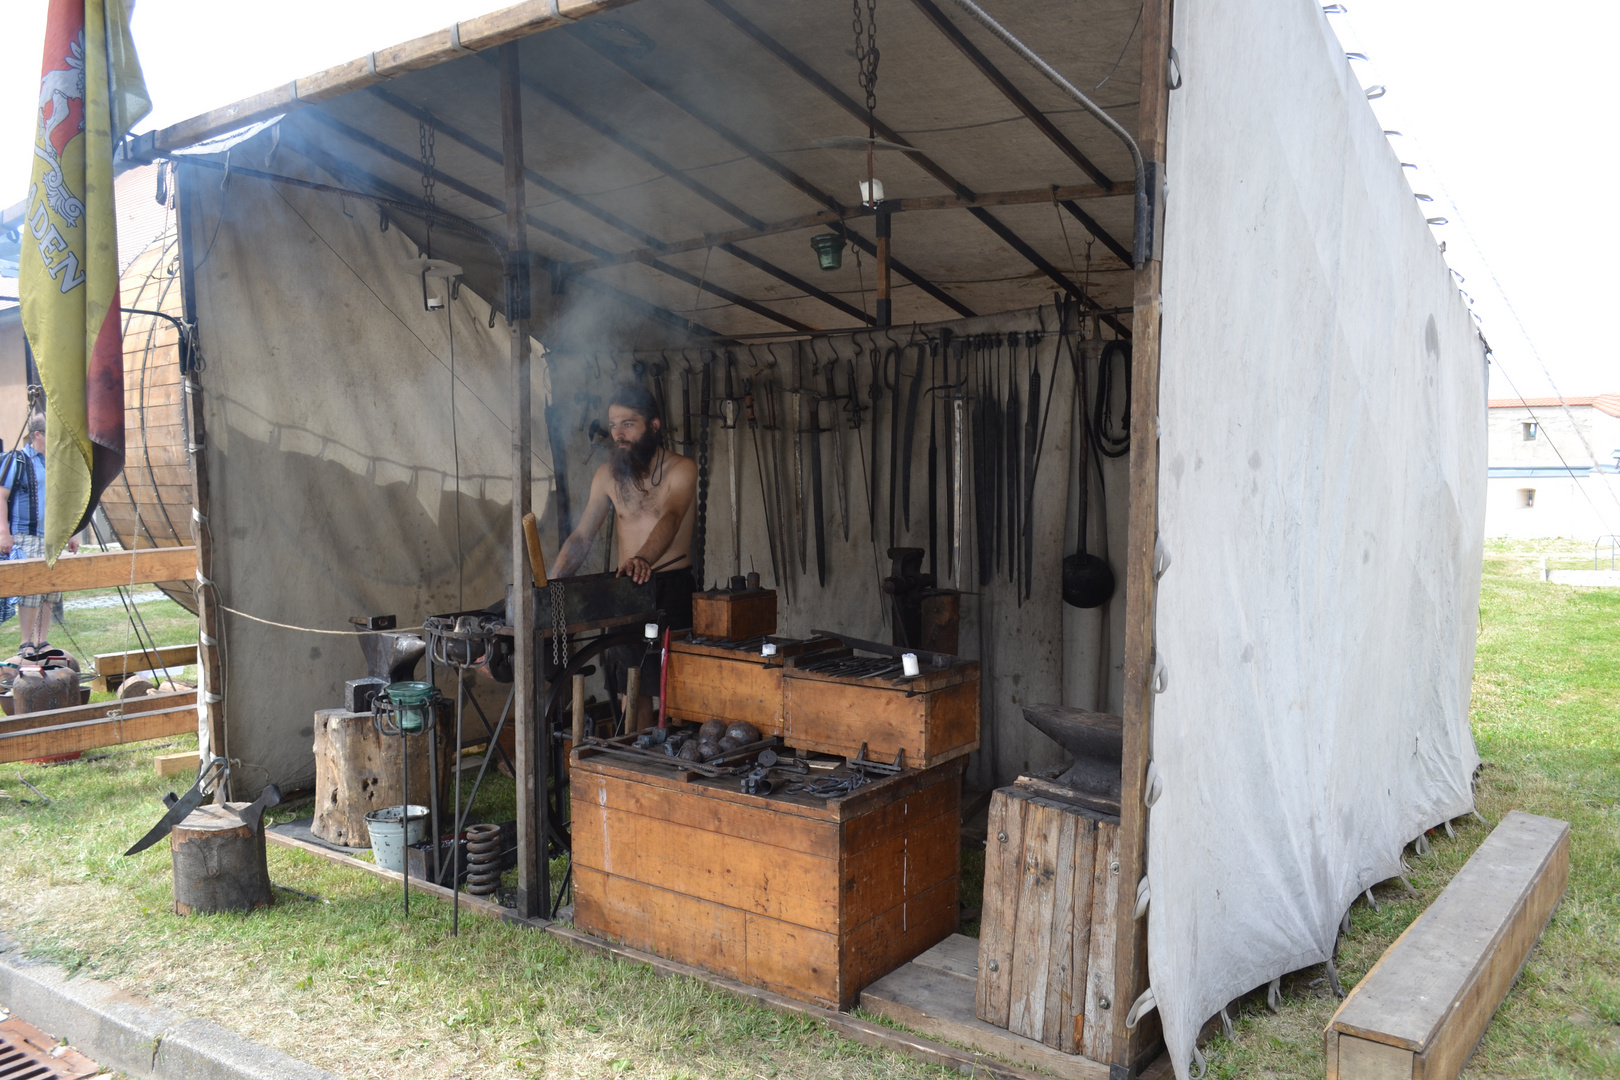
934 995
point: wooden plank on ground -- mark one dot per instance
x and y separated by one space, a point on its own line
940 1003
74 714
1004 853
100 570
176 764
854 1028
94 734
1433 992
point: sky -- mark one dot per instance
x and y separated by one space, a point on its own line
1504 107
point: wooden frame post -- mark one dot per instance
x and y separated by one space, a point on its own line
534 891
1130 970
210 669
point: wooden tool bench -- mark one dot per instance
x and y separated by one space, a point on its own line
812 898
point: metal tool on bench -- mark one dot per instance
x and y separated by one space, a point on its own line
883 768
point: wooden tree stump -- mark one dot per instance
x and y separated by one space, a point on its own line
219 863
357 771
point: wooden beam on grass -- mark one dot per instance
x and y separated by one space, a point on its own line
112 730
76 714
114 668
73 573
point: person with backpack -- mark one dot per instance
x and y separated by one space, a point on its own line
22 530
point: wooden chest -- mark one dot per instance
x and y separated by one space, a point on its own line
709 682
1046 938
734 616
812 898
933 718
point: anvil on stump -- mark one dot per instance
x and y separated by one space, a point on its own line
390 658
1095 741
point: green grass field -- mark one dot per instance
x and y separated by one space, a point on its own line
352 987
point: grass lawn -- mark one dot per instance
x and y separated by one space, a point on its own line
350 986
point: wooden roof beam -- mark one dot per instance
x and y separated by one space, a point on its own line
829 218
359 178
1000 81
697 187
461 187
926 163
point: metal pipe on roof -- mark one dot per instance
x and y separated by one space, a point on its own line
1000 81
1142 239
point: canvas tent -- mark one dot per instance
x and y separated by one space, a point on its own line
1296 526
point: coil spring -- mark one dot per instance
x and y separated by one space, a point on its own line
483 859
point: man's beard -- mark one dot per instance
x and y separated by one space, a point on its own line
631 464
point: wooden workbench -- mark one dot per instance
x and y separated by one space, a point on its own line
811 898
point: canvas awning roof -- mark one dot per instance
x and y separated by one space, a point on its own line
673 144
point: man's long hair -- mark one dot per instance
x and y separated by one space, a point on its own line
631 466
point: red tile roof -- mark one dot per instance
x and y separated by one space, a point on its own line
1608 403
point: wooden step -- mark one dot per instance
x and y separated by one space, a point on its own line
1423 1007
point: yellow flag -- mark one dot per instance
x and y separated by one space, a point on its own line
90 93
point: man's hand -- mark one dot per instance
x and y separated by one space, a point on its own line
73 546
636 569
5 543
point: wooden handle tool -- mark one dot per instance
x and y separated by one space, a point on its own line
537 557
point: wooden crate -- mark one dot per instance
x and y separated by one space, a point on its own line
707 682
1421 1010
734 616
1046 938
811 898
933 718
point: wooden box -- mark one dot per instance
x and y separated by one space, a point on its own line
1046 938
933 718
709 682
734 616
812 898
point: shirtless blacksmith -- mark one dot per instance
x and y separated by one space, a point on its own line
651 490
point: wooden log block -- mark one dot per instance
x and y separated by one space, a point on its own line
1097 1041
357 770
1046 939
1421 1010
219 863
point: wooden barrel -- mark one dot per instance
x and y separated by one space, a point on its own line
219 863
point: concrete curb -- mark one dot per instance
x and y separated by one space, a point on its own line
123 1032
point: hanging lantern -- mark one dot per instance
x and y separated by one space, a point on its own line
829 250
406 708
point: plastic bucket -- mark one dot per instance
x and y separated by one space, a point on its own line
385 828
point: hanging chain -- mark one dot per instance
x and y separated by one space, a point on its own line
559 627
866 53
424 138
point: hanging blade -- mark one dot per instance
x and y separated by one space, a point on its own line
983 484
764 478
796 433
815 491
1012 422
1032 431
933 475
875 392
998 446
958 533
182 807
950 455
838 446
891 361
913 396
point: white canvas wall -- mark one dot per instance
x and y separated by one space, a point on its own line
1321 495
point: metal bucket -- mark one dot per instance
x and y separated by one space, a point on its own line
387 850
